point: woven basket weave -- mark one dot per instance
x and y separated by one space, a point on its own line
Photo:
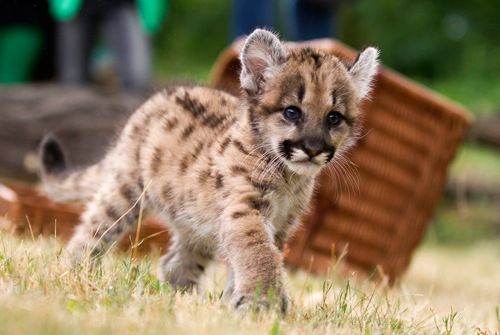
411 136
25 210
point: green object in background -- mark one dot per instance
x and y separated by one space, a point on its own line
19 50
153 12
64 10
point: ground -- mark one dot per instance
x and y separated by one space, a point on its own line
41 295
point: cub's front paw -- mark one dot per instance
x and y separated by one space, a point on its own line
243 303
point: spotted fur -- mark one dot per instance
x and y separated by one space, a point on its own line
229 175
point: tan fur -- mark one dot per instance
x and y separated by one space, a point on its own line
217 167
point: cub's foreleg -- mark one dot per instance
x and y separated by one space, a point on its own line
254 259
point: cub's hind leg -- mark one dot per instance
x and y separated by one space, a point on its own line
184 264
104 221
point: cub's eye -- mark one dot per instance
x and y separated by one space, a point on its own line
334 118
291 113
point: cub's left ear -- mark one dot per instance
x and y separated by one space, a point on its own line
364 70
260 57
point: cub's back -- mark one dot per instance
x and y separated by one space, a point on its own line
173 127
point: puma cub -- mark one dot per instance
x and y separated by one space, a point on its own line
230 176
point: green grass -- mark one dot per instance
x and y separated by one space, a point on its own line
477 163
477 220
39 294
466 221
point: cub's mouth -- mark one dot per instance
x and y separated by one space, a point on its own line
306 168
303 158
302 163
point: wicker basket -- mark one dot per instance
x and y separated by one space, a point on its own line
25 210
411 136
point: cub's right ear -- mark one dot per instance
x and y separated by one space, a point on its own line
363 71
260 56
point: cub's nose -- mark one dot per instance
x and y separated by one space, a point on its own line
313 146
313 152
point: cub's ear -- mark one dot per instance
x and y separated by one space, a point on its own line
260 56
364 70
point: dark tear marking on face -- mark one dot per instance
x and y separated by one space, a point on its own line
286 149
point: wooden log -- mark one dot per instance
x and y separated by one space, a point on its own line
85 119
486 130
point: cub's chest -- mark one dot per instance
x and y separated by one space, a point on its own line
287 204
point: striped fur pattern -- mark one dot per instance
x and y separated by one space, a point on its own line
229 175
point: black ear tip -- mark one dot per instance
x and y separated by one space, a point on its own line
52 155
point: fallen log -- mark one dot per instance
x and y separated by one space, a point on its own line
486 130
85 120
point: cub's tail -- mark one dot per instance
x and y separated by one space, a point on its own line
59 181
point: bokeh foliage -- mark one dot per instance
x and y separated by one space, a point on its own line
194 34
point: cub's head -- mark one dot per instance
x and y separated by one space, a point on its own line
303 103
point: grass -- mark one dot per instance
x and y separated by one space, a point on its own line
445 291
460 220
477 220
477 163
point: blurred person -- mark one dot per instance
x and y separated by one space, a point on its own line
311 19
251 14
305 19
25 28
126 25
